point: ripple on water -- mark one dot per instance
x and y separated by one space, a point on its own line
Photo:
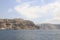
29 35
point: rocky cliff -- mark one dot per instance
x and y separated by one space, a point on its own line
49 26
17 24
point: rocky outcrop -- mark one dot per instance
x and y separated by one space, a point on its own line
17 24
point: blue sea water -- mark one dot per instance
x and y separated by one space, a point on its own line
29 34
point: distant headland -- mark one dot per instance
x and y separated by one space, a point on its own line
17 24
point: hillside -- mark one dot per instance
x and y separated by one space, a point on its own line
17 24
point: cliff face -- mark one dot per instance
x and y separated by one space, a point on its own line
48 26
17 24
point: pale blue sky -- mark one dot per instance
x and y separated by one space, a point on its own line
39 11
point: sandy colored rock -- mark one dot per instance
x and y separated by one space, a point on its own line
17 24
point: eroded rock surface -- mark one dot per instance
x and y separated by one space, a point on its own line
17 24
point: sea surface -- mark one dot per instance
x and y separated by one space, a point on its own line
29 34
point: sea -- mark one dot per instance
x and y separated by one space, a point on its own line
29 34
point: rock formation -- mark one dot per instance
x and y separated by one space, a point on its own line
17 24
49 26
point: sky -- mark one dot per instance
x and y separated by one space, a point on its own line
38 11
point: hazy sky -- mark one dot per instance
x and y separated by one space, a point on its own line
39 11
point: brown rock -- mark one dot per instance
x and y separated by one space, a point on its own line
17 24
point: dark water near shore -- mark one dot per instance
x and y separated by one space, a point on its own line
29 35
